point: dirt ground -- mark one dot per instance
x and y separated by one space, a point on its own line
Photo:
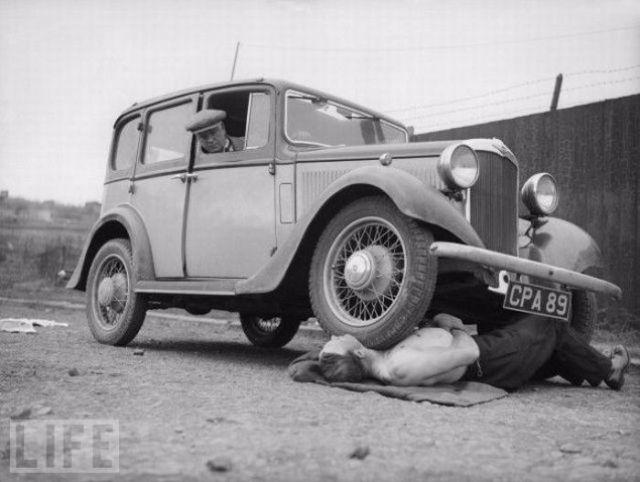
186 393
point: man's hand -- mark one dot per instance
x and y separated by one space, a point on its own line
447 322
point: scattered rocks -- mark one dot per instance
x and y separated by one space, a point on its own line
73 372
138 352
219 464
570 448
360 452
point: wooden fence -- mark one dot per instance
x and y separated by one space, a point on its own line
593 151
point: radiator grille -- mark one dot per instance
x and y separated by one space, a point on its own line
494 203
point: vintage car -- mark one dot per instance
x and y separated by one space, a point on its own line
326 209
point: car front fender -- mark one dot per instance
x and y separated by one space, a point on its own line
121 222
410 195
559 243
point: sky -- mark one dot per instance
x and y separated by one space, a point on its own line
69 67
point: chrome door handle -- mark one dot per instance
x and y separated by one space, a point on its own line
182 177
192 177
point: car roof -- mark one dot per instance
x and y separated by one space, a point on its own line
279 84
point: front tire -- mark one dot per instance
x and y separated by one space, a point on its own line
372 275
273 332
114 311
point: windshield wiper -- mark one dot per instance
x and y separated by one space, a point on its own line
313 98
361 116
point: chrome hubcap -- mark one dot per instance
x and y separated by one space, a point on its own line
359 271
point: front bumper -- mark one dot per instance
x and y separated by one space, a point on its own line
528 267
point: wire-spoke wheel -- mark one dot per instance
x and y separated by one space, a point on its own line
114 311
372 275
273 332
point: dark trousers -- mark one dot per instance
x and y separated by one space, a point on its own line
535 348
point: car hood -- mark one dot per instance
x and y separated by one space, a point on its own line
410 149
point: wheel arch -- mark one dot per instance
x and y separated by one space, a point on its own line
561 243
121 222
413 198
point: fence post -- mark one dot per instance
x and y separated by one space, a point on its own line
556 93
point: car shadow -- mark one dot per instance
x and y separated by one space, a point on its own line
230 351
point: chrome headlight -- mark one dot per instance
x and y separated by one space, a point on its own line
458 166
540 194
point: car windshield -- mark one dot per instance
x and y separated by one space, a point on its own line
314 121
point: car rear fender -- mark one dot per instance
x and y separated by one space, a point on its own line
121 222
410 195
559 243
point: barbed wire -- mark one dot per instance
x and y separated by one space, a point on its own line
437 47
520 110
512 87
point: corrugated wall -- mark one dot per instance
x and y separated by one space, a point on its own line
594 153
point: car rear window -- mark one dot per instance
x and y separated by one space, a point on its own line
126 145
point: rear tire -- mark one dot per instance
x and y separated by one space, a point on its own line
114 311
372 275
273 332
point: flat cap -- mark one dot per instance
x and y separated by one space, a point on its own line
205 119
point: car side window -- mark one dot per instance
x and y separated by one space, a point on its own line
167 140
126 147
246 124
258 121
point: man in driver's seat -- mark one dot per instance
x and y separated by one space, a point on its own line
208 125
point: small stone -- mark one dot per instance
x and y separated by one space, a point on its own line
178 430
360 452
219 464
73 372
570 448
611 464
138 352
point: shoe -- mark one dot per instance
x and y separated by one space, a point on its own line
616 378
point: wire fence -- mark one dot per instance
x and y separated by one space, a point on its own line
33 256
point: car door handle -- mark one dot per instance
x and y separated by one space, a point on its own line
192 177
182 177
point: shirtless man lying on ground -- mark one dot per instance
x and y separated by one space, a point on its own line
531 348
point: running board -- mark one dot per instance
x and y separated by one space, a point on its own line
210 287
514 264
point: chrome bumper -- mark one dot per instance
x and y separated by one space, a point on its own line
536 269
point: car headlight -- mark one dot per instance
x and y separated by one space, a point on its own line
540 194
458 166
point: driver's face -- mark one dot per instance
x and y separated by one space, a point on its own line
213 140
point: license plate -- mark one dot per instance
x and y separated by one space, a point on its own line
538 300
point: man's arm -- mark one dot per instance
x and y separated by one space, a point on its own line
434 364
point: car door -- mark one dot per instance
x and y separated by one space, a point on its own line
230 227
159 185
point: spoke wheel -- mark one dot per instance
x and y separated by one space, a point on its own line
371 274
114 311
365 271
113 290
273 332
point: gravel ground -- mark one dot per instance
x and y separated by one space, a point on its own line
188 393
